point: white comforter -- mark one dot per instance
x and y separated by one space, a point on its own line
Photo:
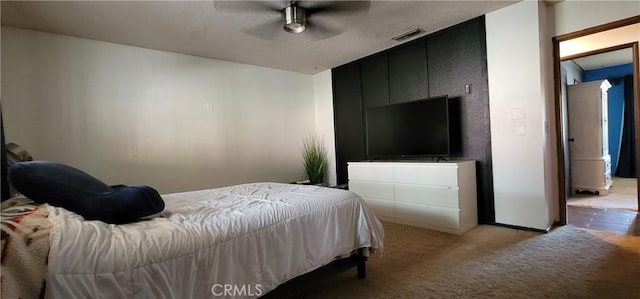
246 239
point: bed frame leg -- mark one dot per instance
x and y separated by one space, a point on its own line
362 271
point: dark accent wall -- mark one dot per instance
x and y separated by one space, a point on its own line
457 59
449 62
408 72
375 81
347 115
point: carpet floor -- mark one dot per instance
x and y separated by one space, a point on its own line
494 262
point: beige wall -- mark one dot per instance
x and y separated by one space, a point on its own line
515 85
324 120
571 16
137 116
520 76
550 157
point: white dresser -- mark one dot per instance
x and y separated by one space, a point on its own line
588 136
439 195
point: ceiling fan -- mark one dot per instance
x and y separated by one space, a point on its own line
315 20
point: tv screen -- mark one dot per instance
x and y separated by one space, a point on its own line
420 128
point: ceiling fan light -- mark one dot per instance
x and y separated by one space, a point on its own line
295 19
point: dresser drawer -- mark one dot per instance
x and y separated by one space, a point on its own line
370 172
434 174
439 196
443 217
428 195
377 190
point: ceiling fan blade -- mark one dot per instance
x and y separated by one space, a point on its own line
325 19
318 31
269 30
249 7
335 17
335 7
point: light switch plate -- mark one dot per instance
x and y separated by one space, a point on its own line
518 113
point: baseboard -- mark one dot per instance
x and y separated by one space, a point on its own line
521 227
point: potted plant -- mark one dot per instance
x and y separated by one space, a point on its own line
314 156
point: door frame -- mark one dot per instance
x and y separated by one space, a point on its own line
561 144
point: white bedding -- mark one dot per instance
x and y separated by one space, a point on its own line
252 237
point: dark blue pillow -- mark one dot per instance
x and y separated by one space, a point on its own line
64 186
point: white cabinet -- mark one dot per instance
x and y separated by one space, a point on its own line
439 196
591 174
588 136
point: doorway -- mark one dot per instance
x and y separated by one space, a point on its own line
603 188
564 166
600 173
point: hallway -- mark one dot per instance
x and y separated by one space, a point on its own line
621 222
615 212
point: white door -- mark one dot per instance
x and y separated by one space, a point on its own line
585 120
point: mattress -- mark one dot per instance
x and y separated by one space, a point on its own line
247 239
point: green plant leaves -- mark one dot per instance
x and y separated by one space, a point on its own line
314 156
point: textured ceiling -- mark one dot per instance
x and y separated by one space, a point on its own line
607 59
205 29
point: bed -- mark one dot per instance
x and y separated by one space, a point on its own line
238 241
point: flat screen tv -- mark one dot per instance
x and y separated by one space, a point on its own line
423 128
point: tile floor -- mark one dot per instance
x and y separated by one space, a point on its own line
624 222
